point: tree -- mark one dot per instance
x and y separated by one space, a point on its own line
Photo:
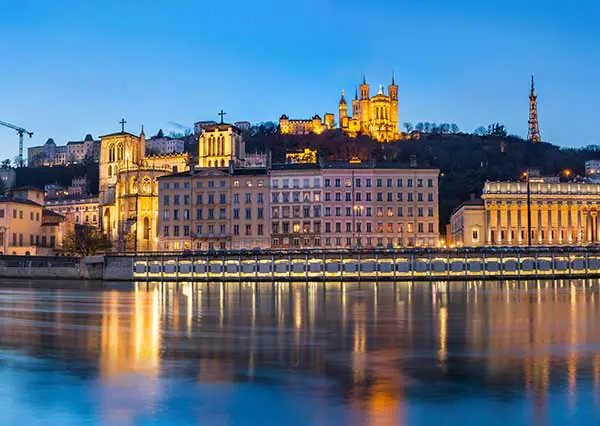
420 127
408 126
5 164
480 131
497 129
454 129
85 241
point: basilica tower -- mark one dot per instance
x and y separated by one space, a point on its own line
343 111
534 130
393 91
365 106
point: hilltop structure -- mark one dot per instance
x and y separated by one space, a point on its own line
375 116
534 130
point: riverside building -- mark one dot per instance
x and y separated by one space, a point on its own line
541 211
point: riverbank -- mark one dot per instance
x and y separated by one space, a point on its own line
303 265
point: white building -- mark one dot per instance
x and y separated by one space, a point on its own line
161 144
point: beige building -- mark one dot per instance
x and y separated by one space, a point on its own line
561 213
466 225
26 227
208 209
78 210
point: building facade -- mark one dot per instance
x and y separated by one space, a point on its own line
128 196
210 208
466 225
219 145
161 144
539 212
78 210
74 152
353 205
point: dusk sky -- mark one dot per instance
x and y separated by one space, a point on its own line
68 68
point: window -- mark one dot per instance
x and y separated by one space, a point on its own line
248 214
420 227
211 214
166 231
236 198
399 183
176 231
420 196
380 196
222 198
236 229
430 197
186 214
248 230
176 214
338 227
260 213
186 231
368 182
248 198
176 200
211 198
409 196
409 183
260 229
357 182
338 183
259 198
430 212
186 200
166 214
430 227
199 199
389 183
420 211
1 213
430 183
390 196
199 214
379 183
222 213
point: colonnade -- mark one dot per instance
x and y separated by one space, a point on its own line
552 223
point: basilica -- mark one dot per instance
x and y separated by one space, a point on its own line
375 116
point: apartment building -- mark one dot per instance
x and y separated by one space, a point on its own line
296 205
207 209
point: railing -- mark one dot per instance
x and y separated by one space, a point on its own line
371 265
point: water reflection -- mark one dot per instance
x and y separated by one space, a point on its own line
355 353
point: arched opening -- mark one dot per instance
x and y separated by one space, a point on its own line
222 163
109 171
133 185
146 228
111 153
209 163
107 222
120 152
147 185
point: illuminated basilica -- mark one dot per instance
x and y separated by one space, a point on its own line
375 116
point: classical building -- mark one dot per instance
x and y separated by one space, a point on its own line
74 152
353 205
128 196
466 226
375 116
542 211
305 156
221 145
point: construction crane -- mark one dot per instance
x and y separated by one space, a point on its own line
20 131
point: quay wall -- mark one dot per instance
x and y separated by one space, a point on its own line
350 265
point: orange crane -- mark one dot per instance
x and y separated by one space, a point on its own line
20 131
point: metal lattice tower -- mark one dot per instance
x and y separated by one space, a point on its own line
534 129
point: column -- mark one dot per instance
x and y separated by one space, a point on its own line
559 223
597 227
588 226
499 225
569 222
519 223
509 238
539 223
549 207
488 225
580 235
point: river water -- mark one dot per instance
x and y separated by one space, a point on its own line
470 353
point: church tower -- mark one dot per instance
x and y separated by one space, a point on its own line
365 106
534 130
393 91
343 111
355 105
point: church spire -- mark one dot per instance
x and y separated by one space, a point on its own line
343 99
355 93
393 79
534 130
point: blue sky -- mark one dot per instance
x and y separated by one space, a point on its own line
68 68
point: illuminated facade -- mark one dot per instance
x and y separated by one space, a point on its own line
353 205
307 156
562 213
375 116
209 209
128 199
220 145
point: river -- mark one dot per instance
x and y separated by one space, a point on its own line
473 353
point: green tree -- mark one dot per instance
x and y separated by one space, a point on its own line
5 164
85 241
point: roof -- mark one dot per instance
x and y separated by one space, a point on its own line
50 213
250 171
119 134
475 202
294 166
19 201
221 127
27 188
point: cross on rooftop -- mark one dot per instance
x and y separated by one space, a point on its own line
122 123
222 114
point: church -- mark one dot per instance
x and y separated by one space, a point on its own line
375 116
128 193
